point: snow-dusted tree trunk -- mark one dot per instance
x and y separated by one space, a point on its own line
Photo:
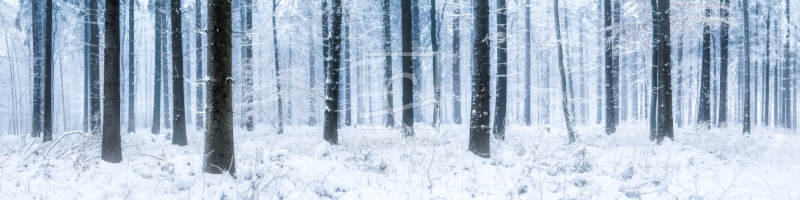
456 65
527 103
611 125
746 122
704 114
479 118
111 146
178 111
277 65
502 70
48 73
387 63
200 107
38 64
219 149
564 99
131 74
94 53
407 23
331 133
722 117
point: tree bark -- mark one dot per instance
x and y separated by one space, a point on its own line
200 107
111 146
277 66
38 65
527 103
611 125
387 65
502 70
95 65
665 121
416 62
564 99
331 132
219 149
723 72
131 74
48 73
178 111
479 118
786 89
156 124
437 77
746 122
704 116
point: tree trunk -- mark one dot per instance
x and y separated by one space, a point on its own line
665 121
387 65
502 70
611 125
48 73
277 66
564 99
479 116
704 116
767 66
331 132
38 64
746 122
786 91
348 87
86 67
131 74
165 95
416 62
527 104
95 59
247 59
200 108
156 126
615 62
437 77
219 149
178 112
112 150
723 72
408 71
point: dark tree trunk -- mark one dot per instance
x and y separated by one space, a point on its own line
131 74
312 75
456 66
564 99
219 149
665 121
611 125
502 81
723 71
95 59
704 116
387 65
38 64
746 122
527 107
479 116
112 150
331 132
406 22
199 71
416 62
437 77
48 73
156 126
165 95
277 65
178 112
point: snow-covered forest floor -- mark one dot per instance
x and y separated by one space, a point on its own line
531 164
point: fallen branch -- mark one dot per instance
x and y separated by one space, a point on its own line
59 140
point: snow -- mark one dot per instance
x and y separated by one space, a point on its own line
532 163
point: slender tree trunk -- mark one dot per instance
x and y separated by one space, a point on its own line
615 70
502 70
786 91
178 112
86 67
564 99
200 108
312 75
277 67
165 95
38 65
95 59
417 63
527 63
437 77
723 72
247 60
348 87
387 65
131 74
746 122
456 65
767 66
156 124
704 116
112 150
479 116
408 70
331 132
48 73
219 149
611 125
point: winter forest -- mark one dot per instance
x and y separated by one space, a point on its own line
408 99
